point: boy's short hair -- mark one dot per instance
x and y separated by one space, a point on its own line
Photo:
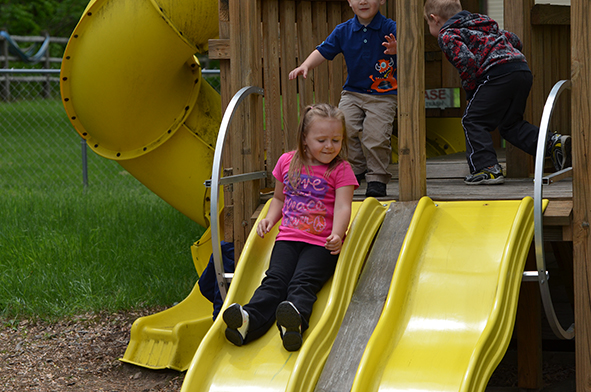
442 8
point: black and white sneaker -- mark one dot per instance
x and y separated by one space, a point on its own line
289 322
236 320
491 175
560 150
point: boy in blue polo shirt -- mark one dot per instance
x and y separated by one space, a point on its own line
369 96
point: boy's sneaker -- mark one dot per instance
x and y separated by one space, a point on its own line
360 177
289 322
560 151
375 189
488 176
237 321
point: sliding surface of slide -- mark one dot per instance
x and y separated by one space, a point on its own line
264 364
451 307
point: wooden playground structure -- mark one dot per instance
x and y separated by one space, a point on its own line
557 43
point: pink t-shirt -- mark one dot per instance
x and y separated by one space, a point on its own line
308 211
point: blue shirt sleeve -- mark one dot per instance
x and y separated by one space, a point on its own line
331 46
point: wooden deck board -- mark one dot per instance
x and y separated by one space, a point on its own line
453 189
445 176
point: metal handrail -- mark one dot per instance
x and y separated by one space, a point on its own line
221 277
538 213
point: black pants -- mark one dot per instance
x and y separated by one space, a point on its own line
297 271
498 102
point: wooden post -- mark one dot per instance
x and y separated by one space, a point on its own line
411 101
288 87
306 45
529 331
517 20
246 129
226 96
272 77
581 120
337 68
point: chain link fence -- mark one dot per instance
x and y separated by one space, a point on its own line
39 148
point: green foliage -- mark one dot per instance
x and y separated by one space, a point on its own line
35 17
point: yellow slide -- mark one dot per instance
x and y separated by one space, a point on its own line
169 339
451 307
132 87
264 364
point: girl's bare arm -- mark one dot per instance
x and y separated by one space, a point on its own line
274 214
342 216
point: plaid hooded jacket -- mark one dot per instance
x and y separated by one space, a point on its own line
477 47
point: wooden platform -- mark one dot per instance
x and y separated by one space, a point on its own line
445 182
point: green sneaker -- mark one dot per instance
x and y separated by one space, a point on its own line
491 175
560 151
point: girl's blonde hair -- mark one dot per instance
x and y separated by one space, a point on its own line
318 111
442 8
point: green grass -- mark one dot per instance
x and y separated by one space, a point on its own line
40 148
67 250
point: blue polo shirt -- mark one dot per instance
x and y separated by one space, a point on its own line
369 70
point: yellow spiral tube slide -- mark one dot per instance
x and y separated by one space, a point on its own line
132 87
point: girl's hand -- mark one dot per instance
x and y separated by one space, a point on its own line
265 225
391 44
334 243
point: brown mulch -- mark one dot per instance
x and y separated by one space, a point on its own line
82 354
77 354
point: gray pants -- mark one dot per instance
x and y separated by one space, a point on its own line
369 121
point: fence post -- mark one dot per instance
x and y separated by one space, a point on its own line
47 83
5 92
84 163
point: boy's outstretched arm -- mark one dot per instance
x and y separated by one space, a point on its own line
391 44
342 216
313 60
274 214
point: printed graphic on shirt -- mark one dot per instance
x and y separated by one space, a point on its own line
386 83
305 209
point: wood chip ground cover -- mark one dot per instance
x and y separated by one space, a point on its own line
82 354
